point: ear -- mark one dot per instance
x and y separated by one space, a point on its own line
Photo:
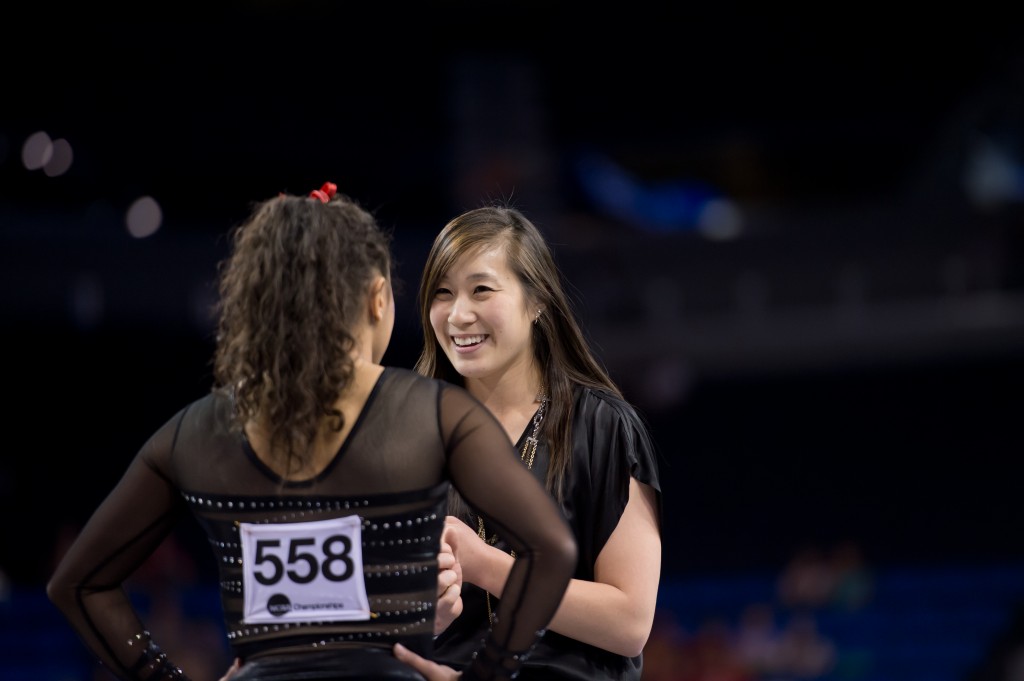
377 301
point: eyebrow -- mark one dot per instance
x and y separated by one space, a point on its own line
474 277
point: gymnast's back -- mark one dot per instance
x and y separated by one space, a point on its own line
319 577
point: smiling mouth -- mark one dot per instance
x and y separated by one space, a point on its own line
468 341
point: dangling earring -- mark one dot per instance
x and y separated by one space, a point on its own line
537 318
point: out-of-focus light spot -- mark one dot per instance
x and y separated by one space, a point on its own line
87 301
666 206
60 159
144 217
992 176
720 220
37 150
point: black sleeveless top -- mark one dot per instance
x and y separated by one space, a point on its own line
610 445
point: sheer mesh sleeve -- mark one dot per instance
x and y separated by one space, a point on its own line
490 478
406 444
87 587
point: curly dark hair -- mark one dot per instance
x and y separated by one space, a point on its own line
293 284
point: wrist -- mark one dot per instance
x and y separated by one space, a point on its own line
498 565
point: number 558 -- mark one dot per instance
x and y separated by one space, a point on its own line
333 562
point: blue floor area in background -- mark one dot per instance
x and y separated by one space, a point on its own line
920 624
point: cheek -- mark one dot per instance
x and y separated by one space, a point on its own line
439 320
502 317
516 320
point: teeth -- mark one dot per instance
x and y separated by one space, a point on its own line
468 340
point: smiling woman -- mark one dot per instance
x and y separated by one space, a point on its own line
481 318
496 320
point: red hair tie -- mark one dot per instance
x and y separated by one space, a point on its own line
326 192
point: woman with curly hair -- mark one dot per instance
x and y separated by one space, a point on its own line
319 477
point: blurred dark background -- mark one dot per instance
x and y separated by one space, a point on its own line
796 240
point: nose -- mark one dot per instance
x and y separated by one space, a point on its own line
461 312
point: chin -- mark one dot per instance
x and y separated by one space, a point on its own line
469 370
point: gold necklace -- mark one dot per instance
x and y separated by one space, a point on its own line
527 456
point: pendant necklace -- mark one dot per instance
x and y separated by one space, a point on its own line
527 456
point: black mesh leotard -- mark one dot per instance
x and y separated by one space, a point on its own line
414 435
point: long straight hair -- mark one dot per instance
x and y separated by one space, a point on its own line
559 346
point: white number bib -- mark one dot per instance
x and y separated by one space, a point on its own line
303 572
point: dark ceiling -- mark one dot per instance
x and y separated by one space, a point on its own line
208 110
863 327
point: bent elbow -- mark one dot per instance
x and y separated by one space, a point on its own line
635 633
635 645
62 591
630 641
56 592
